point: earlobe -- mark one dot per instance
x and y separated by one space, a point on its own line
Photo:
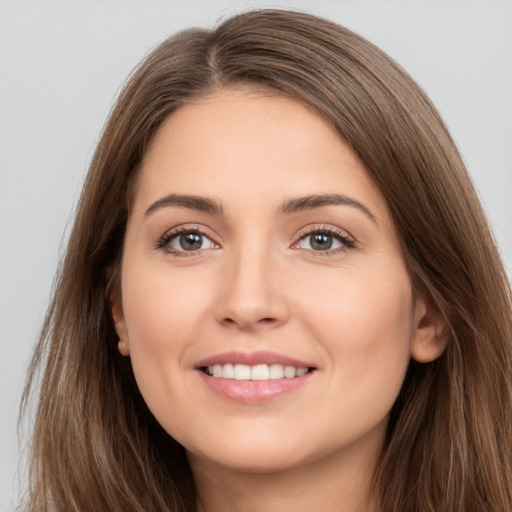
123 348
116 309
430 336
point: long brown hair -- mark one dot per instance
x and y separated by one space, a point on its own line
96 447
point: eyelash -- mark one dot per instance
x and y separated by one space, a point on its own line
169 236
345 240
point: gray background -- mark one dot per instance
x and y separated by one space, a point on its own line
62 65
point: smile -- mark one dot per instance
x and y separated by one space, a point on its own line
256 372
254 378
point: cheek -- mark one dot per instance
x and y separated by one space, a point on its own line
364 325
160 306
163 315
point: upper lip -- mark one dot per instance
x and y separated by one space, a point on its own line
252 359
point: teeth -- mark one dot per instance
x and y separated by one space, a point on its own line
301 371
257 372
260 372
242 372
289 372
228 371
276 371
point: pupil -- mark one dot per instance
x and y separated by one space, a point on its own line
321 241
190 241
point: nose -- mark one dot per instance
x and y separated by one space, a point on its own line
252 296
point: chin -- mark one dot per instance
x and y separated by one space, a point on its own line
256 461
261 450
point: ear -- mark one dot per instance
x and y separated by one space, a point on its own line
116 309
430 335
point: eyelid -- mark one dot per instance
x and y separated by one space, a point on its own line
323 227
347 240
171 233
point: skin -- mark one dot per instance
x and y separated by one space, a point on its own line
257 284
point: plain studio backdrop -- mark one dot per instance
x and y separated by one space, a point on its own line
62 65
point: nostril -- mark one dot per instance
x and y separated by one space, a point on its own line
266 321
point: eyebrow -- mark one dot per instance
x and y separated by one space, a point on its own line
289 206
302 203
202 204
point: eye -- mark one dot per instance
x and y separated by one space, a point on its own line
325 240
185 241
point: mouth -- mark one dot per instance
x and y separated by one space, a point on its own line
253 378
258 372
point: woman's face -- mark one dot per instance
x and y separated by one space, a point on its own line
264 303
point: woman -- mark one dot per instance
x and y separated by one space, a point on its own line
280 293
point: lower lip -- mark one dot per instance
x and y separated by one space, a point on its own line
253 391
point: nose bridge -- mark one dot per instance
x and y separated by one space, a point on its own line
251 296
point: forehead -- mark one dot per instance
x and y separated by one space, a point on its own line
237 144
